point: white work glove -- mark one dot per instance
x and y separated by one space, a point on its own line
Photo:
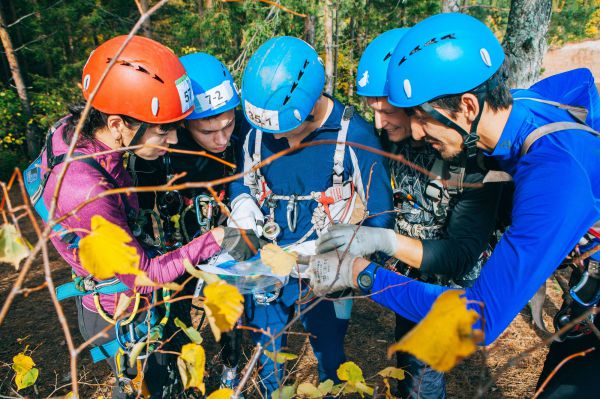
366 241
245 214
328 273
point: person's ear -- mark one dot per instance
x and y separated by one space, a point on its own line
117 128
469 105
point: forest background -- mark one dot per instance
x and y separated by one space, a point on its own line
52 39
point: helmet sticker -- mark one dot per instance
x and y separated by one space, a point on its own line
86 81
297 115
364 80
154 106
214 98
265 118
184 88
485 56
407 88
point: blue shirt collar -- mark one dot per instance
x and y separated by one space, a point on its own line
508 148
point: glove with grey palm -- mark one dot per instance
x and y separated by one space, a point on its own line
361 240
330 273
238 247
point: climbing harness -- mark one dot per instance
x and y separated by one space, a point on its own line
340 192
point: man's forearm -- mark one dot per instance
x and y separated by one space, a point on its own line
409 250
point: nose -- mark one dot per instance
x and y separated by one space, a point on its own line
221 138
378 120
172 137
417 130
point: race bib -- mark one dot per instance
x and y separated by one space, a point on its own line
265 118
215 97
186 96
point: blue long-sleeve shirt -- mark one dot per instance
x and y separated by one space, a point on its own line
311 169
556 200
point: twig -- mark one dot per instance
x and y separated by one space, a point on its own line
553 373
248 370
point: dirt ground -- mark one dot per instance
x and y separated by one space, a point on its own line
32 322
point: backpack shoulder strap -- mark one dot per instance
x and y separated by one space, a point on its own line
552 128
577 112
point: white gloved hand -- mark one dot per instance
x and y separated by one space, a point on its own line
366 241
328 273
245 214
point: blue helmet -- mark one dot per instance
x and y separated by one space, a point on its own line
442 55
371 78
212 84
282 82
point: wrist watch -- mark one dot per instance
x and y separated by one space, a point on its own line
366 278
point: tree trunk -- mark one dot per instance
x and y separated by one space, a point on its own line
309 29
328 28
146 25
32 139
451 5
351 56
525 39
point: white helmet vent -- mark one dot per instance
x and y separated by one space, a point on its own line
154 106
86 81
407 88
485 56
297 115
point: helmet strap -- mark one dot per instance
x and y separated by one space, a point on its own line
138 135
470 139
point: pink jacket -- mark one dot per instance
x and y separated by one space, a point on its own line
83 182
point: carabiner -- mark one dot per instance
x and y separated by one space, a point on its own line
292 213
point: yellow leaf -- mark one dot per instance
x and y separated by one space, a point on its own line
223 305
191 364
284 392
445 335
25 373
223 393
13 246
209 278
122 305
281 356
353 376
135 352
392 372
280 262
308 390
104 252
22 363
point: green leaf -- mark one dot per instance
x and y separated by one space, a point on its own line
191 332
13 247
285 392
27 379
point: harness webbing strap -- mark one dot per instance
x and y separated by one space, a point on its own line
552 128
106 287
340 147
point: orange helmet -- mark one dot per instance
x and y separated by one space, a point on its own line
147 82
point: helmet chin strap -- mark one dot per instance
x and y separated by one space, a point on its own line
138 135
470 138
